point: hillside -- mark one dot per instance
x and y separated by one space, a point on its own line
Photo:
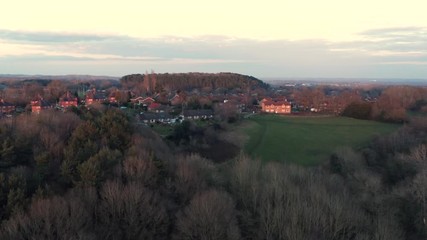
8 77
186 81
44 80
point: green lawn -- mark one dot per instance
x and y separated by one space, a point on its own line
162 129
307 140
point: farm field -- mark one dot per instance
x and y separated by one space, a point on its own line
307 140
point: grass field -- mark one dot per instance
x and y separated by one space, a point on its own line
162 129
307 140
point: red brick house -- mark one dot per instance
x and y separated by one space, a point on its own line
112 99
39 105
147 101
279 107
67 100
5 107
137 100
94 96
178 99
143 101
157 107
119 96
264 100
113 96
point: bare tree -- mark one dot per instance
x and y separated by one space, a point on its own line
301 204
210 215
245 182
192 175
55 89
419 155
131 212
419 188
140 169
387 228
51 218
139 163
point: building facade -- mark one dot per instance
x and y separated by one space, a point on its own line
68 100
5 107
278 107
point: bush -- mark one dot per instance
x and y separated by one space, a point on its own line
359 110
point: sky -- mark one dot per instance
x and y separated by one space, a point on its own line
265 39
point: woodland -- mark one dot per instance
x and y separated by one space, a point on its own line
97 173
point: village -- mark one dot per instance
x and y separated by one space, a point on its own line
152 109
172 137
169 107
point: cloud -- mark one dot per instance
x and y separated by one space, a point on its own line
377 53
398 39
42 57
78 57
53 37
390 45
392 31
102 47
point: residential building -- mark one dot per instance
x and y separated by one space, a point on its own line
156 118
5 107
177 99
157 107
40 105
67 100
279 107
197 114
94 96
144 101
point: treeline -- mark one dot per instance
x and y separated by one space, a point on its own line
93 174
152 82
21 92
207 141
388 104
395 104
